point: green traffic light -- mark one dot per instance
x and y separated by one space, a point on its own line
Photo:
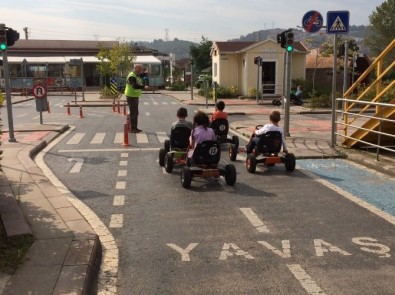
3 46
289 48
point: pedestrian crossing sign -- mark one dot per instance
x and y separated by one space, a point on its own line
337 22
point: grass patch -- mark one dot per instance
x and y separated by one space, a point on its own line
13 250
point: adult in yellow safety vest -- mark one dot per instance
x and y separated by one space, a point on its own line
134 84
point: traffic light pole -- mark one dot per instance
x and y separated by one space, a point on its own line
287 95
8 98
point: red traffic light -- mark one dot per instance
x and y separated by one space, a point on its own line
290 38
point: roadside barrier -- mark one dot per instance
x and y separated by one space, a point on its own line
81 114
48 108
125 135
68 109
119 107
124 109
113 106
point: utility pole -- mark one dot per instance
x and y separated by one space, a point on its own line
26 33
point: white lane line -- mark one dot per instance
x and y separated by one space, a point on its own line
124 155
116 221
98 138
162 136
118 137
21 115
77 166
173 102
119 200
141 138
76 138
147 114
155 103
255 221
164 102
123 163
305 280
120 185
122 173
146 103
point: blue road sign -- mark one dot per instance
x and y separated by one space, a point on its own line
312 21
337 22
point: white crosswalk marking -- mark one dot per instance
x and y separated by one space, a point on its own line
118 137
76 138
155 103
173 102
164 102
146 103
162 136
98 138
141 138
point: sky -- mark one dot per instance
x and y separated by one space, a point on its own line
146 20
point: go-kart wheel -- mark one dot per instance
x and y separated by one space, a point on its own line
189 162
186 177
169 162
230 174
278 103
167 145
162 154
274 102
235 141
233 152
289 162
251 163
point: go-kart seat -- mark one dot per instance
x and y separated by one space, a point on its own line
207 153
221 129
270 142
179 138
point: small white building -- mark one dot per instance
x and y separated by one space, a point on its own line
233 65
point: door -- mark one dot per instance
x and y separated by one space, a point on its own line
268 77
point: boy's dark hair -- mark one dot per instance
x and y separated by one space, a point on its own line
275 116
201 119
182 113
220 105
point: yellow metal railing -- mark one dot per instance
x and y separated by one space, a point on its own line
377 85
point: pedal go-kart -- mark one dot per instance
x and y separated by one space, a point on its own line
294 99
204 164
221 129
175 149
266 152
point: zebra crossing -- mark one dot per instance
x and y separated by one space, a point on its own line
100 138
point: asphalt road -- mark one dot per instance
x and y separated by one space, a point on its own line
274 232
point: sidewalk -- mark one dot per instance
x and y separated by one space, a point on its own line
62 258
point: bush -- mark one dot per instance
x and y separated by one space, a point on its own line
178 86
227 92
252 92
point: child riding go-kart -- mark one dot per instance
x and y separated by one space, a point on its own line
221 129
266 152
175 149
204 164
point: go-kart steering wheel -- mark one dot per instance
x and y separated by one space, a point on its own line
257 127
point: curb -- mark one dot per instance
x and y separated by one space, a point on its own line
70 268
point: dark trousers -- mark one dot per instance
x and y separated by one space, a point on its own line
133 103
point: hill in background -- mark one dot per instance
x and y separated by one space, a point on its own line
181 47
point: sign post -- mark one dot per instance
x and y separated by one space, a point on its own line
337 23
40 93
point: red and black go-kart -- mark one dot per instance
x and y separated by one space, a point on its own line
175 149
266 152
204 164
221 129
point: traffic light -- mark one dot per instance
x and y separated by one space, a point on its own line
3 38
281 39
258 60
12 37
289 41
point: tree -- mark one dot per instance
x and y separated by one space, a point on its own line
117 61
201 54
381 27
